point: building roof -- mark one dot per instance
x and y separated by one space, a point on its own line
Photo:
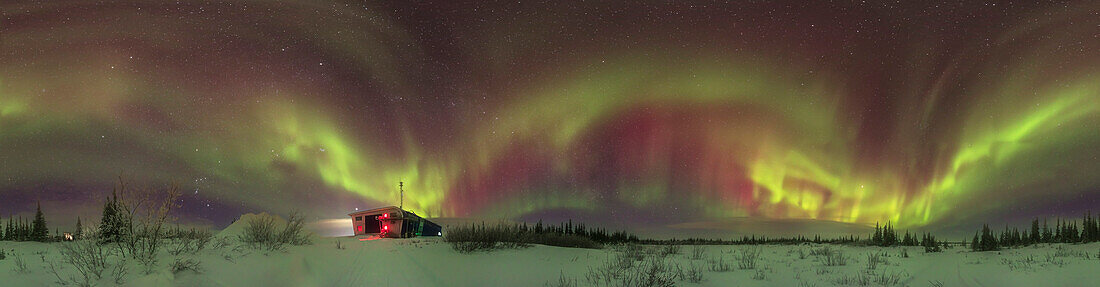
373 210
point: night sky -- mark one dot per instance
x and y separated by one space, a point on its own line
921 113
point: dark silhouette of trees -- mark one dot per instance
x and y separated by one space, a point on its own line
79 229
1063 231
39 231
987 242
110 225
930 244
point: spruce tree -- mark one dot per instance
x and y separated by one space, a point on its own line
40 232
109 229
877 238
988 241
79 229
1035 237
24 230
1048 236
1058 231
975 245
889 236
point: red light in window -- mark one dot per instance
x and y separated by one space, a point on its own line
385 215
386 227
359 228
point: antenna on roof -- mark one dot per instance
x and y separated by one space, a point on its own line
401 185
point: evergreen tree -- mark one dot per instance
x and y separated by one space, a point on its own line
1058 231
975 245
1035 237
24 229
1048 236
988 241
877 238
39 231
930 244
110 229
79 229
889 236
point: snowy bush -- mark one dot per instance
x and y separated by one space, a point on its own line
874 259
20 265
748 258
836 258
697 252
181 265
719 264
654 271
88 257
670 250
262 233
190 242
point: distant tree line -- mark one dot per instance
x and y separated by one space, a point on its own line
599 235
885 236
1064 231
474 237
23 230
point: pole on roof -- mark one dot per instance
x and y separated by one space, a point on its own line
401 185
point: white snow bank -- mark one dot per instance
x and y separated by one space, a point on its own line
238 226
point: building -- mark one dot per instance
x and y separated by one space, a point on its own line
393 222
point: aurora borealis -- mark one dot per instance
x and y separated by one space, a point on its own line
919 113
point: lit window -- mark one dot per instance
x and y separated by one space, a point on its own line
359 228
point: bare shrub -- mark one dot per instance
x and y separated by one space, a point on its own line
634 252
697 252
905 253
835 258
858 279
719 264
563 281
760 275
261 232
871 279
654 271
748 258
3 255
88 257
1024 263
823 251
119 272
339 245
693 274
873 260
59 280
181 265
20 265
670 250
888 278
221 242
143 213
190 242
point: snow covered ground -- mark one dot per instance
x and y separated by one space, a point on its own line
431 262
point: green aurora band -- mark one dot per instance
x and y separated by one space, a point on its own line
715 132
